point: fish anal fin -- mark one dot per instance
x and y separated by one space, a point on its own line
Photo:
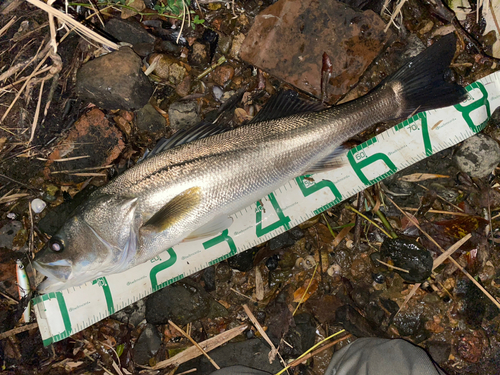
331 161
210 229
176 209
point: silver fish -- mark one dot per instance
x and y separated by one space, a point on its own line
191 191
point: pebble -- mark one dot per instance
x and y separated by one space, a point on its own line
218 92
129 31
147 345
114 81
38 205
168 68
478 156
183 114
8 232
199 55
223 74
150 122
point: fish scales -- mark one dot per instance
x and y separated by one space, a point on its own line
191 190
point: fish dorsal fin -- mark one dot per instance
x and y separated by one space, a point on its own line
210 229
285 103
173 211
330 162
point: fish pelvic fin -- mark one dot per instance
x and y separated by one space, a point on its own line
216 226
332 161
419 85
174 211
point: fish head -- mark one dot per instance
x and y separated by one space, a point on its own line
96 241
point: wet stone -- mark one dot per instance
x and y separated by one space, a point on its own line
302 31
132 314
280 241
183 114
147 345
408 255
183 303
168 68
223 74
8 231
129 31
272 262
209 278
478 156
150 122
243 261
199 55
114 81
223 272
439 351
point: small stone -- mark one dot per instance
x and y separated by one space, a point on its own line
280 241
147 345
129 31
114 81
133 314
8 232
183 88
236 46
439 351
138 5
168 68
183 302
199 55
470 346
272 262
183 114
223 74
218 92
38 205
149 122
224 44
478 156
410 256
243 261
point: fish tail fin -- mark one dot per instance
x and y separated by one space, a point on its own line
420 82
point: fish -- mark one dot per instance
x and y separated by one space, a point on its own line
189 190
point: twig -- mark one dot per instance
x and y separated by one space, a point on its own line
193 352
194 343
469 276
17 330
392 266
440 259
219 62
399 6
305 291
437 211
274 351
7 26
358 221
309 355
381 216
367 219
311 349
70 21
37 113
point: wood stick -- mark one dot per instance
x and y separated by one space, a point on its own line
195 344
17 330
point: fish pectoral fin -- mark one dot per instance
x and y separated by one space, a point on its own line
332 161
210 229
175 210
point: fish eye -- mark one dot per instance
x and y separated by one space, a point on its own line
56 245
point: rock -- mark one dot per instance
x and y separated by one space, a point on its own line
133 314
272 262
168 68
183 303
251 353
183 114
138 5
147 345
8 231
243 261
439 351
288 40
223 74
223 273
301 337
280 241
224 44
408 255
469 346
114 81
478 156
91 136
355 323
199 55
209 278
236 46
129 31
150 122
183 88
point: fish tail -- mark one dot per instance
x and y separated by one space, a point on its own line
420 84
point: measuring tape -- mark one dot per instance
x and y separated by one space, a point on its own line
61 314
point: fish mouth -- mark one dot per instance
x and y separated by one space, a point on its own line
58 273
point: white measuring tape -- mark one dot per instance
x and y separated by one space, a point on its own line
61 314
